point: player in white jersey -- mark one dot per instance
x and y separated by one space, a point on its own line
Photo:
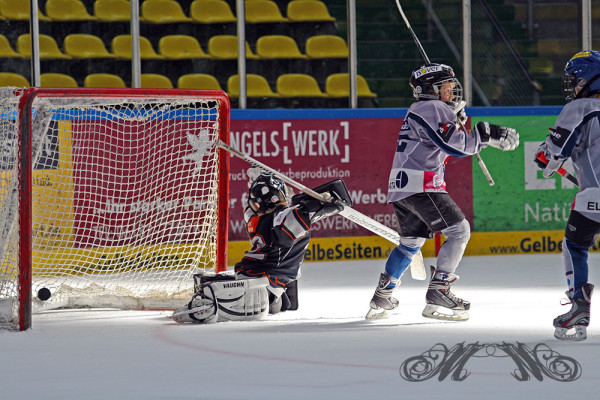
576 135
431 132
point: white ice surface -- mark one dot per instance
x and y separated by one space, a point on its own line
325 350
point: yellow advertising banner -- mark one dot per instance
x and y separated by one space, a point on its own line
375 247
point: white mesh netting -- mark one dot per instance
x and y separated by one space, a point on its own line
124 200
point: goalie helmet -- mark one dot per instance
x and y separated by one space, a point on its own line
266 194
431 81
582 73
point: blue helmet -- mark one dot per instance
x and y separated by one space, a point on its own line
582 72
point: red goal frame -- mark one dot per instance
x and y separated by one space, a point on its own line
25 173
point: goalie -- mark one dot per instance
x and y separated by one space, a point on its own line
265 280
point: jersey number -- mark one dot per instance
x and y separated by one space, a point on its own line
401 145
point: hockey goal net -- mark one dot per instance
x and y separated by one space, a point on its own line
109 197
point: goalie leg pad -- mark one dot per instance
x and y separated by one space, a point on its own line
226 300
240 299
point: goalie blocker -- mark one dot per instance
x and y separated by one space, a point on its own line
335 191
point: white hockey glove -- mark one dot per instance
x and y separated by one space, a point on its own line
548 163
459 111
499 137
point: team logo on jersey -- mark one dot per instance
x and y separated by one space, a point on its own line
401 179
446 130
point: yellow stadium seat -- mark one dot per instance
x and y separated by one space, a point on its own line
211 12
278 46
104 81
225 47
155 81
121 48
48 47
18 10
112 10
298 85
326 46
180 47
256 86
308 11
80 45
198 81
163 12
50 79
6 50
13 79
338 85
67 10
263 11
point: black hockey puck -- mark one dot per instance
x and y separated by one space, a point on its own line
44 294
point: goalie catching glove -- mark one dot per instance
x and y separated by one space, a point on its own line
499 137
335 192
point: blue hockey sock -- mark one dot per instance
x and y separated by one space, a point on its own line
398 261
576 266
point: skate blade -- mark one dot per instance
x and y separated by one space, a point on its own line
432 311
377 313
579 333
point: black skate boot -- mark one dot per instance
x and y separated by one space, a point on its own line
578 317
382 300
439 295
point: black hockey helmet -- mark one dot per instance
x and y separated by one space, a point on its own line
427 81
266 193
582 71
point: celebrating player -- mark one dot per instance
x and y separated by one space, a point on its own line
265 280
430 133
576 135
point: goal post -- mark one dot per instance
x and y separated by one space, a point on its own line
109 197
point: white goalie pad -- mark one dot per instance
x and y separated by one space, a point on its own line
228 300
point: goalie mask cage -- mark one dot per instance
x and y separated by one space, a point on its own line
109 197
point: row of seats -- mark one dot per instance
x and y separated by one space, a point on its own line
169 11
288 85
220 47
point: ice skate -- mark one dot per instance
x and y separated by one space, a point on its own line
442 303
573 325
382 300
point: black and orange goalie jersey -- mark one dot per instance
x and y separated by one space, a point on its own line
279 242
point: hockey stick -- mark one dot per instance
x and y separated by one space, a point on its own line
482 165
417 269
561 171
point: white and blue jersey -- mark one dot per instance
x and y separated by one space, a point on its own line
427 137
577 135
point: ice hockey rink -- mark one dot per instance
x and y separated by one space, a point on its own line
326 349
